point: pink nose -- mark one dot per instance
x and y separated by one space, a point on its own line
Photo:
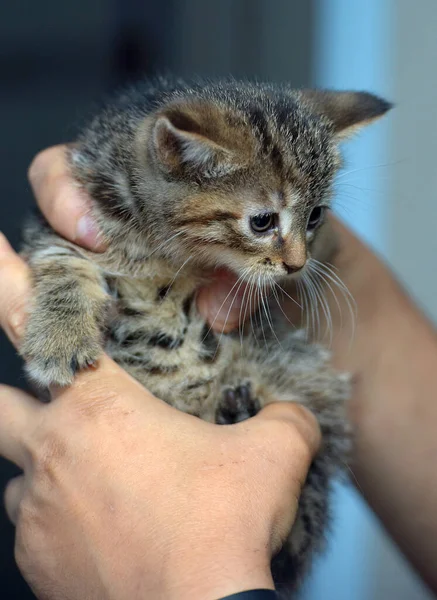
292 268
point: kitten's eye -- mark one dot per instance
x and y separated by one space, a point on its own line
315 217
262 223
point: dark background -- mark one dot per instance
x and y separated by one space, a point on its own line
59 58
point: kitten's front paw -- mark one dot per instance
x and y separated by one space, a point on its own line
53 355
237 404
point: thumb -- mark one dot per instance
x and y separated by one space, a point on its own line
296 422
226 301
290 437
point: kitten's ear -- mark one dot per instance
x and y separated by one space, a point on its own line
192 138
347 111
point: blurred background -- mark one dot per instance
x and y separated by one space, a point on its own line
58 58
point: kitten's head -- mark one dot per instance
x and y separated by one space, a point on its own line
250 170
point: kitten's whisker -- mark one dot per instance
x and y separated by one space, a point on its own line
273 286
322 275
299 304
244 304
252 309
368 167
288 295
223 303
303 299
323 302
267 311
136 265
240 280
313 304
354 477
261 320
163 244
170 285
331 269
348 298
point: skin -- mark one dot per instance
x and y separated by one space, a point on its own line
393 357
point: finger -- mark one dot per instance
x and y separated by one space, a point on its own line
299 419
14 292
226 301
19 414
64 204
95 389
14 493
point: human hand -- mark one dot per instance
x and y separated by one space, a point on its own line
123 496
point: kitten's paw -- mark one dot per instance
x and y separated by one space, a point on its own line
54 359
237 404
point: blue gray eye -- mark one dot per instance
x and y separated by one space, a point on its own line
262 223
315 217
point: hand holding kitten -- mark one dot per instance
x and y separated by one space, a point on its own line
89 527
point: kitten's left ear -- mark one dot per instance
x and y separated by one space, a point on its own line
347 111
195 138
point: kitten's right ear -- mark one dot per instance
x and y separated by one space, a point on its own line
186 143
348 111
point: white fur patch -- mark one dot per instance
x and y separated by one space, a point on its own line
285 221
53 251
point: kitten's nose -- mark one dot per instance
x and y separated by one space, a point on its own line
292 268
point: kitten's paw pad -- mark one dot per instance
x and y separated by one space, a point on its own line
237 404
53 362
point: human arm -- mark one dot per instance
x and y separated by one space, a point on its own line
393 357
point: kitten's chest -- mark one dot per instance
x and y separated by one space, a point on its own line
156 333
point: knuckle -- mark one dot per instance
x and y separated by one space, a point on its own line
291 439
48 452
95 399
26 513
29 536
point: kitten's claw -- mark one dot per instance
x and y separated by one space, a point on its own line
237 405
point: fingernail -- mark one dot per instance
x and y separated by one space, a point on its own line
88 234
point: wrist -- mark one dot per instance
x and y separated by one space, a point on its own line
216 572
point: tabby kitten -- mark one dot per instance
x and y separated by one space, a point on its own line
185 178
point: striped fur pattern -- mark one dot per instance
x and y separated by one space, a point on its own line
180 174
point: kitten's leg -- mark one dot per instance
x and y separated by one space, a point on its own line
67 315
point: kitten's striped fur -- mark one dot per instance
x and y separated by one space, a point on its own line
176 172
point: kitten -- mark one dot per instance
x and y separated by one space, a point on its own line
185 178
